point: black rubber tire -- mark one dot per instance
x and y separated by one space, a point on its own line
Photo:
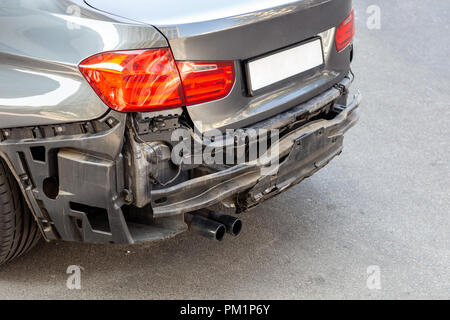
18 230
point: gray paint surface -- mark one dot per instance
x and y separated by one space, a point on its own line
240 30
41 44
383 202
175 12
43 41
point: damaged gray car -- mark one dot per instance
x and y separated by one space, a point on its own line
133 121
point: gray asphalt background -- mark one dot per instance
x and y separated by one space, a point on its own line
384 201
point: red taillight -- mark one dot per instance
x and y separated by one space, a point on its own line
148 80
206 81
345 32
136 80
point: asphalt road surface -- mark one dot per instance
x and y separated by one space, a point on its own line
383 205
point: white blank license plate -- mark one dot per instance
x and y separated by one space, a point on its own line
282 65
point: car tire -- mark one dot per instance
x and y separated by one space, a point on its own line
18 229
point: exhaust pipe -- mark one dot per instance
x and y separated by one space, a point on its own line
205 227
233 225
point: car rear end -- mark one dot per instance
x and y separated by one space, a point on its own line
238 32
175 150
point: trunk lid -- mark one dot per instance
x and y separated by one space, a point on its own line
242 30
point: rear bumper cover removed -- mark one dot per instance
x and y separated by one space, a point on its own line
304 151
85 163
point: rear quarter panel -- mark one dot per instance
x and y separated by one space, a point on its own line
41 44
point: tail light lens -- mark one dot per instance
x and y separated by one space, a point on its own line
149 80
206 81
345 32
137 80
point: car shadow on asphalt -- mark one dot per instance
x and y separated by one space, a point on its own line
274 227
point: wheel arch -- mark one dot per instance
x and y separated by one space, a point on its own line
4 157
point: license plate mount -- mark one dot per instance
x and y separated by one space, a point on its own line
276 67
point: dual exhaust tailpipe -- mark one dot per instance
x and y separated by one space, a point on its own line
213 225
